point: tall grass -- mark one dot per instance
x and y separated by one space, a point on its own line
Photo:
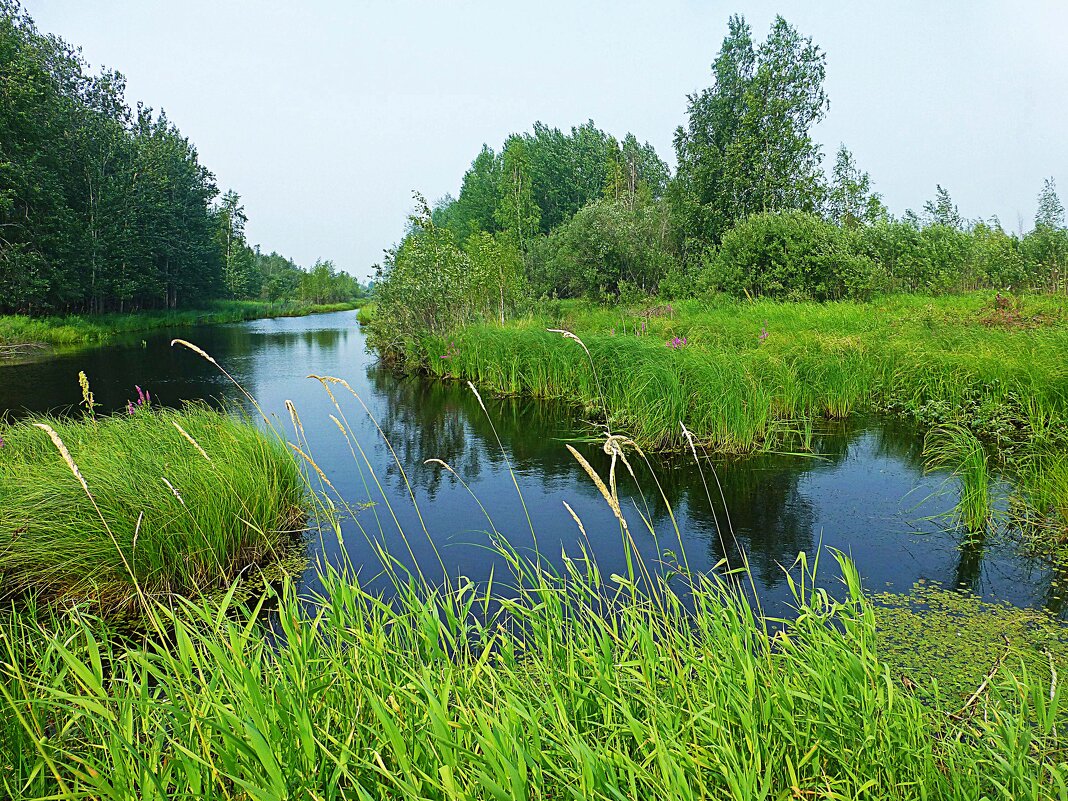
174 502
365 313
582 686
953 447
752 375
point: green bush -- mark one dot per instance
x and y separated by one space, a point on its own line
789 255
609 247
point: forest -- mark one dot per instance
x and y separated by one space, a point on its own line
104 207
751 210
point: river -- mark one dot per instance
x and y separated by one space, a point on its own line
862 491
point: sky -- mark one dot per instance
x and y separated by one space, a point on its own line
326 115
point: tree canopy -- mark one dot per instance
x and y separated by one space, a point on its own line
746 147
103 206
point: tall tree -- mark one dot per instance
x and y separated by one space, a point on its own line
516 211
237 260
747 145
480 194
1046 247
101 207
1050 209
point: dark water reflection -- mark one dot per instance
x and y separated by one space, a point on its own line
862 491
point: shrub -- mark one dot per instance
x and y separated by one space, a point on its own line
786 255
609 246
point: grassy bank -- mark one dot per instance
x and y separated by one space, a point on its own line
365 313
19 331
587 688
746 375
173 503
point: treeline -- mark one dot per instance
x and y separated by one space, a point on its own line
105 207
750 210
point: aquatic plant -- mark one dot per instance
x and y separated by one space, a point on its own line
957 449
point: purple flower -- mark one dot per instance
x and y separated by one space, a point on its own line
143 399
763 332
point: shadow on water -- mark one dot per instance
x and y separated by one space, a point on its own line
862 490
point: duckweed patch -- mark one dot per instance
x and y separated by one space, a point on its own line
944 643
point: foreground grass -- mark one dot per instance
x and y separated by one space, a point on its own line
743 375
174 502
580 686
20 331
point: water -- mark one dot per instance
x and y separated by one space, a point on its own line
863 491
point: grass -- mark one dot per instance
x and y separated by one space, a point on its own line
583 687
19 331
754 375
174 502
365 313
543 682
954 447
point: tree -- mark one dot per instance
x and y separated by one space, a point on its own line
238 264
1050 209
516 211
101 207
850 199
1046 247
480 195
635 171
747 147
497 272
942 210
424 285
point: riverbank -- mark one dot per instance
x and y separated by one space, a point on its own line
21 334
584 687
110 512
748 375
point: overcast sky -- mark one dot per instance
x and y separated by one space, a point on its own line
325 116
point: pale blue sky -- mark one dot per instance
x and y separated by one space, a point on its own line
325 116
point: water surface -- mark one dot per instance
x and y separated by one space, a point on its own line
862 491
